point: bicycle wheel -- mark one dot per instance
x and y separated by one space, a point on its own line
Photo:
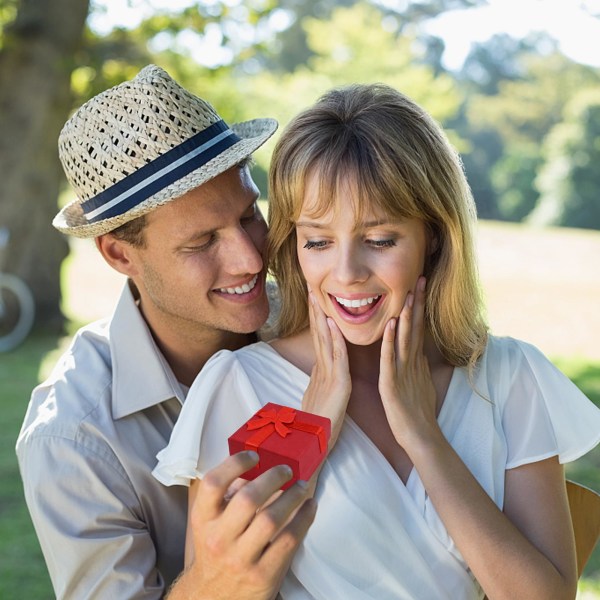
17 311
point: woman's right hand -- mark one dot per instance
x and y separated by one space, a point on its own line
330 384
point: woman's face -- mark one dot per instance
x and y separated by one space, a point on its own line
359 271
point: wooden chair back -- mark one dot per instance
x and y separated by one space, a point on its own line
585 516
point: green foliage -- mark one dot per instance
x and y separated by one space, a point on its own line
355 46
8 12
520 107
292 48
569 182
483 147
497 111
495 61
512 176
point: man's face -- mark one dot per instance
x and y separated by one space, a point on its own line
201 271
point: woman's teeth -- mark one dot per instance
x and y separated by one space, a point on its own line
244 289
356 303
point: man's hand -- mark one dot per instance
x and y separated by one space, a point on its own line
242 546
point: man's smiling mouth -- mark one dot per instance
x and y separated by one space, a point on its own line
243 289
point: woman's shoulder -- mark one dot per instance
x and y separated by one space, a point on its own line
543 412
229 359
262 360
514 369
508 363
511 352
296 349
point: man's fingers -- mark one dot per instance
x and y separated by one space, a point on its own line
242 507
269 521
214 486
290 537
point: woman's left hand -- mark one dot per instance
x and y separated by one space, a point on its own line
405 384
330 383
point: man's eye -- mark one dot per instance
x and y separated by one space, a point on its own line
203 246
318 245
250 215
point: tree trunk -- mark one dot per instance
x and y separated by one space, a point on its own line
36 62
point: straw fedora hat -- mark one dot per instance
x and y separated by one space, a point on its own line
142 144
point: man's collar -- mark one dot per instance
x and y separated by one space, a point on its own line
141 376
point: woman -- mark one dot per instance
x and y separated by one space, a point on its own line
444 476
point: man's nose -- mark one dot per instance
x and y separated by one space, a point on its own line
243 254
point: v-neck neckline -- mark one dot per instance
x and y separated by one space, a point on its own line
444 416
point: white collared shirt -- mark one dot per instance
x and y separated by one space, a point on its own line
86 450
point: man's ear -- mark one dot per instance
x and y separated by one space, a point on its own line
118 254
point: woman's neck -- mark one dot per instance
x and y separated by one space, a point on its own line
364 361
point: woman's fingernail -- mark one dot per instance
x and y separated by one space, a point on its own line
421 283
253 455
410 299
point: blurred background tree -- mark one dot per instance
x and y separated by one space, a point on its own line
569 180
517 109
37 46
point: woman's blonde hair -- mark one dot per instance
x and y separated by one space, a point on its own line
402 163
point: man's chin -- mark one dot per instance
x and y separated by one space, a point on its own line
252 323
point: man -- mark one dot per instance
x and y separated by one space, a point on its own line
163 186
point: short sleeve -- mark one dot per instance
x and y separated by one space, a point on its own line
80 505
544 413
220 400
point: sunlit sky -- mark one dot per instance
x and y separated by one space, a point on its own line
568 21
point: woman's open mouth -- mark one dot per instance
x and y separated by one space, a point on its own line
356 309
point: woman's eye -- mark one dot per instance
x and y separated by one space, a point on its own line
318 245
382 243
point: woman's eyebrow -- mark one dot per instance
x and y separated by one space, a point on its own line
377 223
359 225
312 224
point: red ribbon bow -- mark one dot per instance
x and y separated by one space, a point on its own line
282 421
279 418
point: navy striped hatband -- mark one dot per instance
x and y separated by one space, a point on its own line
161 172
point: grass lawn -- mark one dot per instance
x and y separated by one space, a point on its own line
22 568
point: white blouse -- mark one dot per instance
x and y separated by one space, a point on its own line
375 537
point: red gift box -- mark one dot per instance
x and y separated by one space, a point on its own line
283 436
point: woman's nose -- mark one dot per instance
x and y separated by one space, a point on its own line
350 267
